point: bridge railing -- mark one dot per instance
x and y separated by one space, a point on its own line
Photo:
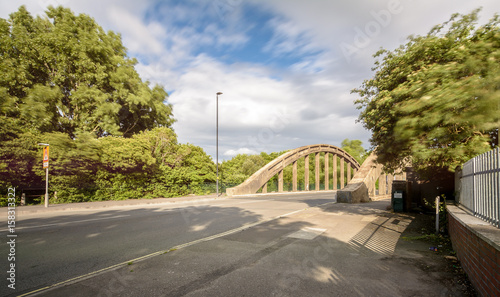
364 182
258 181
369 183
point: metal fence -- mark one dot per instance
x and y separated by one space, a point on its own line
480 186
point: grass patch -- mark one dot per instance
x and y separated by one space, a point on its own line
425 237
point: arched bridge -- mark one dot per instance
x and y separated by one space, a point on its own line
260 178
361 179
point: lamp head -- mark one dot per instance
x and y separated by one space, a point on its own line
219 93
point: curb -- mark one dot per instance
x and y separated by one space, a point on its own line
112 203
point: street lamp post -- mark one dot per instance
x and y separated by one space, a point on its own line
46 166
217 138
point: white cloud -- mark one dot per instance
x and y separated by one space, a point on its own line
241 151
257 112
289 38
218 37
267 105
139 38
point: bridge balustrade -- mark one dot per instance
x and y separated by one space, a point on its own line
364 182
259 180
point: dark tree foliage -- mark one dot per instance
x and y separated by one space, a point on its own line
66 82
435 101
63 73
355 149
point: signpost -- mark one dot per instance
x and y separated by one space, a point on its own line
46 166
46 157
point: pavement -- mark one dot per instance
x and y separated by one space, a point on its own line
331 250
40 208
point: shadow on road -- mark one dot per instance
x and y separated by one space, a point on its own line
358 250
54 249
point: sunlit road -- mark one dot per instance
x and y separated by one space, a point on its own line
57 246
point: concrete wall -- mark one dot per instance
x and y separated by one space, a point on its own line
359 188
477 245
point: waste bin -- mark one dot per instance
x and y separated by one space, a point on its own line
399 195
398 200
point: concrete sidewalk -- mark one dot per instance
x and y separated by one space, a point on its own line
336 250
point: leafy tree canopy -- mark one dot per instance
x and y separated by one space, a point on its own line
63 73
65 81
148 164
355 149
435 100
242 166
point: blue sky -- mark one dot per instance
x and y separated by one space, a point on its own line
285 67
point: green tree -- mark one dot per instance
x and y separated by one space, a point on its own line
355 149
435 100
64 81
241 167
193 171
18 157
63 73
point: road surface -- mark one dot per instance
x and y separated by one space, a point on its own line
53 247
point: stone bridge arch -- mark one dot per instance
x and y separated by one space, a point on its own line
369 183
260 178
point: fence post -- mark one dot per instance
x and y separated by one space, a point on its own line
489 187
437 214
473 204
458 183
496 219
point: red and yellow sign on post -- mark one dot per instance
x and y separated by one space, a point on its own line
46 157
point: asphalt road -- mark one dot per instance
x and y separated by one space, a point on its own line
52 247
